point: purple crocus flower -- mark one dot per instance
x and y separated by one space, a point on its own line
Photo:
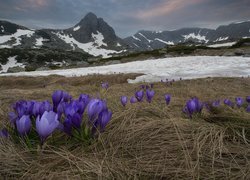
23 125
193 106
228 103
67 127
124 100
248 99
239 101
61 109
139 95
46 124
104 118
150 94
76 120
23 107
84 98
45 106
56 98
95 107
4 133
36 108
199 105
75 107
216 103
12 117
133 100
66 97
105 85
248 108
142 86
167 98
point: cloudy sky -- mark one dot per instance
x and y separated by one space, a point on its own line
126 16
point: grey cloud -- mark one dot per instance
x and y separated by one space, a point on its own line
122 14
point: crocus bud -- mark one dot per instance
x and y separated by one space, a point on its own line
23 125
239 101
167 98
124 100
150 94
139 95
133 100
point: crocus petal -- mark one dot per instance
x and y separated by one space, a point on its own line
46 124
56 98
12 117
76 120
23 125
139 95
124 100
133 100
248 99
104 118
167 98
239 101
95 107
150 94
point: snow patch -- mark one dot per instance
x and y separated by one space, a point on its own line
136 45
12 62
76 28
90 47
39 41
222 44
155 70
239 22
221 39
2 29
118 44
165 42
136 38
16 36
145 37
99 39
194 36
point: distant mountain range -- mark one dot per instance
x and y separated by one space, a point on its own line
149 40
95 37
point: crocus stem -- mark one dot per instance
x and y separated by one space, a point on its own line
28 142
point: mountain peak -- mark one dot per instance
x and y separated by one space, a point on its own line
90 15
88 18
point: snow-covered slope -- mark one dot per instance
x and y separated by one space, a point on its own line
12 62
16 37
94 48
160 69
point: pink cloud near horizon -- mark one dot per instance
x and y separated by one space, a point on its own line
166 8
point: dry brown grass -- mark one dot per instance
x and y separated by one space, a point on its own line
142 141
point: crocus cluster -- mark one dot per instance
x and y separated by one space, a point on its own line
65 114
193 106
139 95
144 91
239 102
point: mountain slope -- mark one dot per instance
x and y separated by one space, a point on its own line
92 35
148 40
